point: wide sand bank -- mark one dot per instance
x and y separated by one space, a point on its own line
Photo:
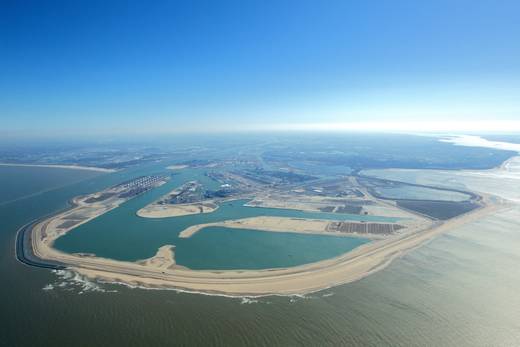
297 225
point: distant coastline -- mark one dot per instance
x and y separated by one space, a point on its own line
57 166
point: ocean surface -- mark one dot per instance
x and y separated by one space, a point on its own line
461 289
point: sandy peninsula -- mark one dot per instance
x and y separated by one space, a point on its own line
300 226
265 223
156 210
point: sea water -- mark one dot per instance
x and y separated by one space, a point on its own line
461 289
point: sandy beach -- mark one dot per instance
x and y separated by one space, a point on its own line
265 223
163 259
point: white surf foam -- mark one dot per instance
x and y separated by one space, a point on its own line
69 280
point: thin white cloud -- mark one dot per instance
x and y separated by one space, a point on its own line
444 126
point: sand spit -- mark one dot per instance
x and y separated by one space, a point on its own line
295 225
72 167
156 210
163 207
163 259
265 223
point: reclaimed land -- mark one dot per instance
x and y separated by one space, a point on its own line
303 279
57 166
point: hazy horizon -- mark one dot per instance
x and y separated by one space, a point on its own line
98 69
152 138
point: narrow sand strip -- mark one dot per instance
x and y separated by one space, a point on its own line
297 225
71 167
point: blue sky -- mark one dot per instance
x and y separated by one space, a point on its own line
100 67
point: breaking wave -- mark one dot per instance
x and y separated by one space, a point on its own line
71 281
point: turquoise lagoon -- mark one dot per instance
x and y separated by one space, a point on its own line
120 234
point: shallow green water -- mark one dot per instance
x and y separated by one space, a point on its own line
121 234
228 248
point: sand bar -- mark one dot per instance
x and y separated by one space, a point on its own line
163 259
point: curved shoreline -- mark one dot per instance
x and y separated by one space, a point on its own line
153 210
24 258
302 279
24 254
